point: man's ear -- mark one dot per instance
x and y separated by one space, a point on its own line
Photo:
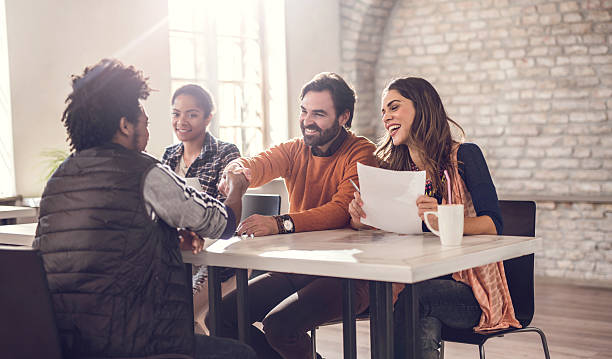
343 119
125 127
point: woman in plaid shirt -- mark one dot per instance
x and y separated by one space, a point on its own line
199 155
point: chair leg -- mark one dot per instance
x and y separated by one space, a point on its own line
313 340
544 342
481 350
441 349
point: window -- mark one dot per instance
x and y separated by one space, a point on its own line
230 47
7 168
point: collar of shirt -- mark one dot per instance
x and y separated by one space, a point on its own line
333 147
210 145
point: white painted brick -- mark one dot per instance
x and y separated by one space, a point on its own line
583 70
582 152
585 187
594 39
580 60
546 175
550 19
558 152
587 117
438 49
556 163
598 50
572 17
598 16
602 59
604 28
567 39
591 163
581 28
546 8
568 6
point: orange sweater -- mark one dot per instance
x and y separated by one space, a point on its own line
319 188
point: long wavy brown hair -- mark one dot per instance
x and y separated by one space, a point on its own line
430 134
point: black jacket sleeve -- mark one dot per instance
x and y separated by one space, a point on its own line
475 173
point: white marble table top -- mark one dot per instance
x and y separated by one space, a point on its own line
9 212
371 255
18 234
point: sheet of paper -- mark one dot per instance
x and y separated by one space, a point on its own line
389 198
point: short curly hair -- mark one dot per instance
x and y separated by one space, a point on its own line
103 94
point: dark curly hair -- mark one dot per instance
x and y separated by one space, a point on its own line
103 94
342 94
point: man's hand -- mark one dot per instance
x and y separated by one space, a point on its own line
189 240
235 168
258 225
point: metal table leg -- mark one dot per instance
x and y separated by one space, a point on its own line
348 319
381 320
411 320
242 303
188 278
214 300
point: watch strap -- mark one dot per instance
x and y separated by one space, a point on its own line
281 225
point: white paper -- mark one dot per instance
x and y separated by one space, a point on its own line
389 198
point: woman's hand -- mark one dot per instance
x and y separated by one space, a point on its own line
428 204
356 211
190 241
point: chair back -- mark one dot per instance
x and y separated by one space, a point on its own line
264 204
519 220
27 328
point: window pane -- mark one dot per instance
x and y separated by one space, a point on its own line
182 55
230 105
229 59
180 15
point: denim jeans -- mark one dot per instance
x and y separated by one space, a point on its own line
221 348
441 301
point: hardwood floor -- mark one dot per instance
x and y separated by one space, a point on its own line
577 321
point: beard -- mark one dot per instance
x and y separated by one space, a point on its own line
323 137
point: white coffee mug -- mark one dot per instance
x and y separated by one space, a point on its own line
450 223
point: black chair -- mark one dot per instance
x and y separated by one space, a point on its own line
27 325
519 220
264 204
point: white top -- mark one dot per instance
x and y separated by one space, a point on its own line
18 234
9 212
370 255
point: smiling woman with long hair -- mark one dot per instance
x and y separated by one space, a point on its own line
418 137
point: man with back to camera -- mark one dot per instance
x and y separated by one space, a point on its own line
108 236
316 169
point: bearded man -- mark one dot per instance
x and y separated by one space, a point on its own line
317 170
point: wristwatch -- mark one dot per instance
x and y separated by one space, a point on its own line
285 224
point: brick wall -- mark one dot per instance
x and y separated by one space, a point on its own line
530 81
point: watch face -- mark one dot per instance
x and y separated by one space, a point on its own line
288 224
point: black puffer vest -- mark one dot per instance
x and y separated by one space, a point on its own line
116 276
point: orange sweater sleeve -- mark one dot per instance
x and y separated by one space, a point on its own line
334 214
273 163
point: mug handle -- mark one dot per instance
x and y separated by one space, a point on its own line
425 215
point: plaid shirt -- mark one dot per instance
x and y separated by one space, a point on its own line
208 166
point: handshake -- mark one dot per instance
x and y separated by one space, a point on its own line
235 179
